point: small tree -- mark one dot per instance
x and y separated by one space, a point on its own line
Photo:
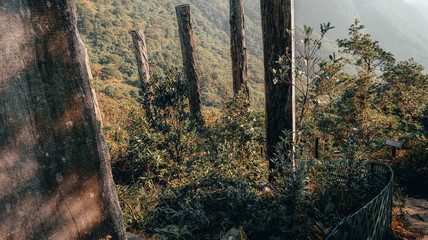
315 81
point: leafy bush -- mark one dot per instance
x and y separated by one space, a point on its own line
163 148
212 203
190 179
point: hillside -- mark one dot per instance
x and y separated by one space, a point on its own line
168 162
105 26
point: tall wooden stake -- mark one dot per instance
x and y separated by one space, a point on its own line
293 80
276 23
140 49
293 72
184 18
317 143
238 48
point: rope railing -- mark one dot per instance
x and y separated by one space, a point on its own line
373 220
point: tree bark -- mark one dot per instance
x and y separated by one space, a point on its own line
184 18
276 21
55 176
140 49
238 48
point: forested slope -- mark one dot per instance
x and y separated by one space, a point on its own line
105 26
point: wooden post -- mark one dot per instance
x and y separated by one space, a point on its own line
276 23
55 175
140 49
317 140
394 155
184 18
238 48
293 75
395 146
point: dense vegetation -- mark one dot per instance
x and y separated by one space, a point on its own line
181 178
187 179
105 26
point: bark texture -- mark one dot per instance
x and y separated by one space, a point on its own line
238 48
55 176
140 49
188 51
276 20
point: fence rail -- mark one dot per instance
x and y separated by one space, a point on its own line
373 220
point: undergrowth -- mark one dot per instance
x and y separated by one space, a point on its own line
187 179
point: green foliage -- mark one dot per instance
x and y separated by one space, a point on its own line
105 26
183 179
193 180
212 203
368 53
383 100
238 127
316 79
356 113
164 147
164 141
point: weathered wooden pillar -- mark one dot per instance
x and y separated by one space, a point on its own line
185 31
276 21
55 176
140 49
238 48
317 141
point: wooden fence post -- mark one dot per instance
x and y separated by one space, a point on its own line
317 141
238 48
140 49
184 19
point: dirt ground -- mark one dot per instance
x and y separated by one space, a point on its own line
416 213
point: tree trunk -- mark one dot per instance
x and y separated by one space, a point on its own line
140 49
184 18
276 21
238 49
55 176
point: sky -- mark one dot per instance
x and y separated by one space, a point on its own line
417 1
